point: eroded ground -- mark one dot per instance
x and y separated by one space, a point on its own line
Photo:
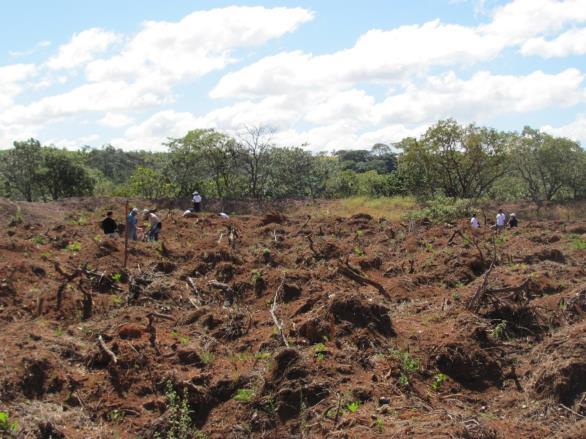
381 342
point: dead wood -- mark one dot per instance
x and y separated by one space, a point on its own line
476 301
350 273
274 311
106 350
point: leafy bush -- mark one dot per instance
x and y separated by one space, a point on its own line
353 406
442 209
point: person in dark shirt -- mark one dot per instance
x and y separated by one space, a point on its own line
513 222
109 226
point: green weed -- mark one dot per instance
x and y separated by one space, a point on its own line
117 277
6 425
244 395
358 251
73 247
500 330
116 416
39 240
353 406
438 380
206 357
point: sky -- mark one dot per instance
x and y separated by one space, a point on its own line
327 74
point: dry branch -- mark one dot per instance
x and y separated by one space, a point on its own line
105 349
476 301
229 293
274 312
345 270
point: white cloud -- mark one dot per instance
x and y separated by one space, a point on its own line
575 130
72 143
156 129
482 96
572 42
197 44
522 19
92 97
82 48
377 56
11 78
27 52
116 120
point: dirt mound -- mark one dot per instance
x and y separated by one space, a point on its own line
468 365
362 313
561 367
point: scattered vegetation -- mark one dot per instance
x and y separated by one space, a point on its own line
6 425
353 406
438 380
73 247
244 395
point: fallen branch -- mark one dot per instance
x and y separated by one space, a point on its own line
476 301
345 270
229 293
274 310
161 316
105 349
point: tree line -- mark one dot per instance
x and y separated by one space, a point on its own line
448 160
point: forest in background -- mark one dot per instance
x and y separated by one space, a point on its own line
448 161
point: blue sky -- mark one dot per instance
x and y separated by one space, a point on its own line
327 73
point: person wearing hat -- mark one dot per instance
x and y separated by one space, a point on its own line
132 222
196 202
155 222
513 222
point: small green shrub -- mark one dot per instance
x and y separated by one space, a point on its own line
179 424
500 330
39 240
441 209
117 277
206 357
358 251
116 416
353 406
244 395
438 380
73 247
6 425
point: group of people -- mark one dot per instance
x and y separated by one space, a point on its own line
111 228
501 221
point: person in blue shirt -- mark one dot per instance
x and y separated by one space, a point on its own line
132 222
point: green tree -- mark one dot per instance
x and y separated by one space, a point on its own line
186 167
547 164
254 149
150 184
62 176
459 161
21 169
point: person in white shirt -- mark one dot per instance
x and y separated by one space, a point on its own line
474 222
196 202
156 225
501 220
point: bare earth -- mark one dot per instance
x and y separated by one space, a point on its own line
398 357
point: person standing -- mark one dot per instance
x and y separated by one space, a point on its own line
196 202
109 226
156 225
501 220
474 222
132 223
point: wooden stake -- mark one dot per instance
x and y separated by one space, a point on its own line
126 234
